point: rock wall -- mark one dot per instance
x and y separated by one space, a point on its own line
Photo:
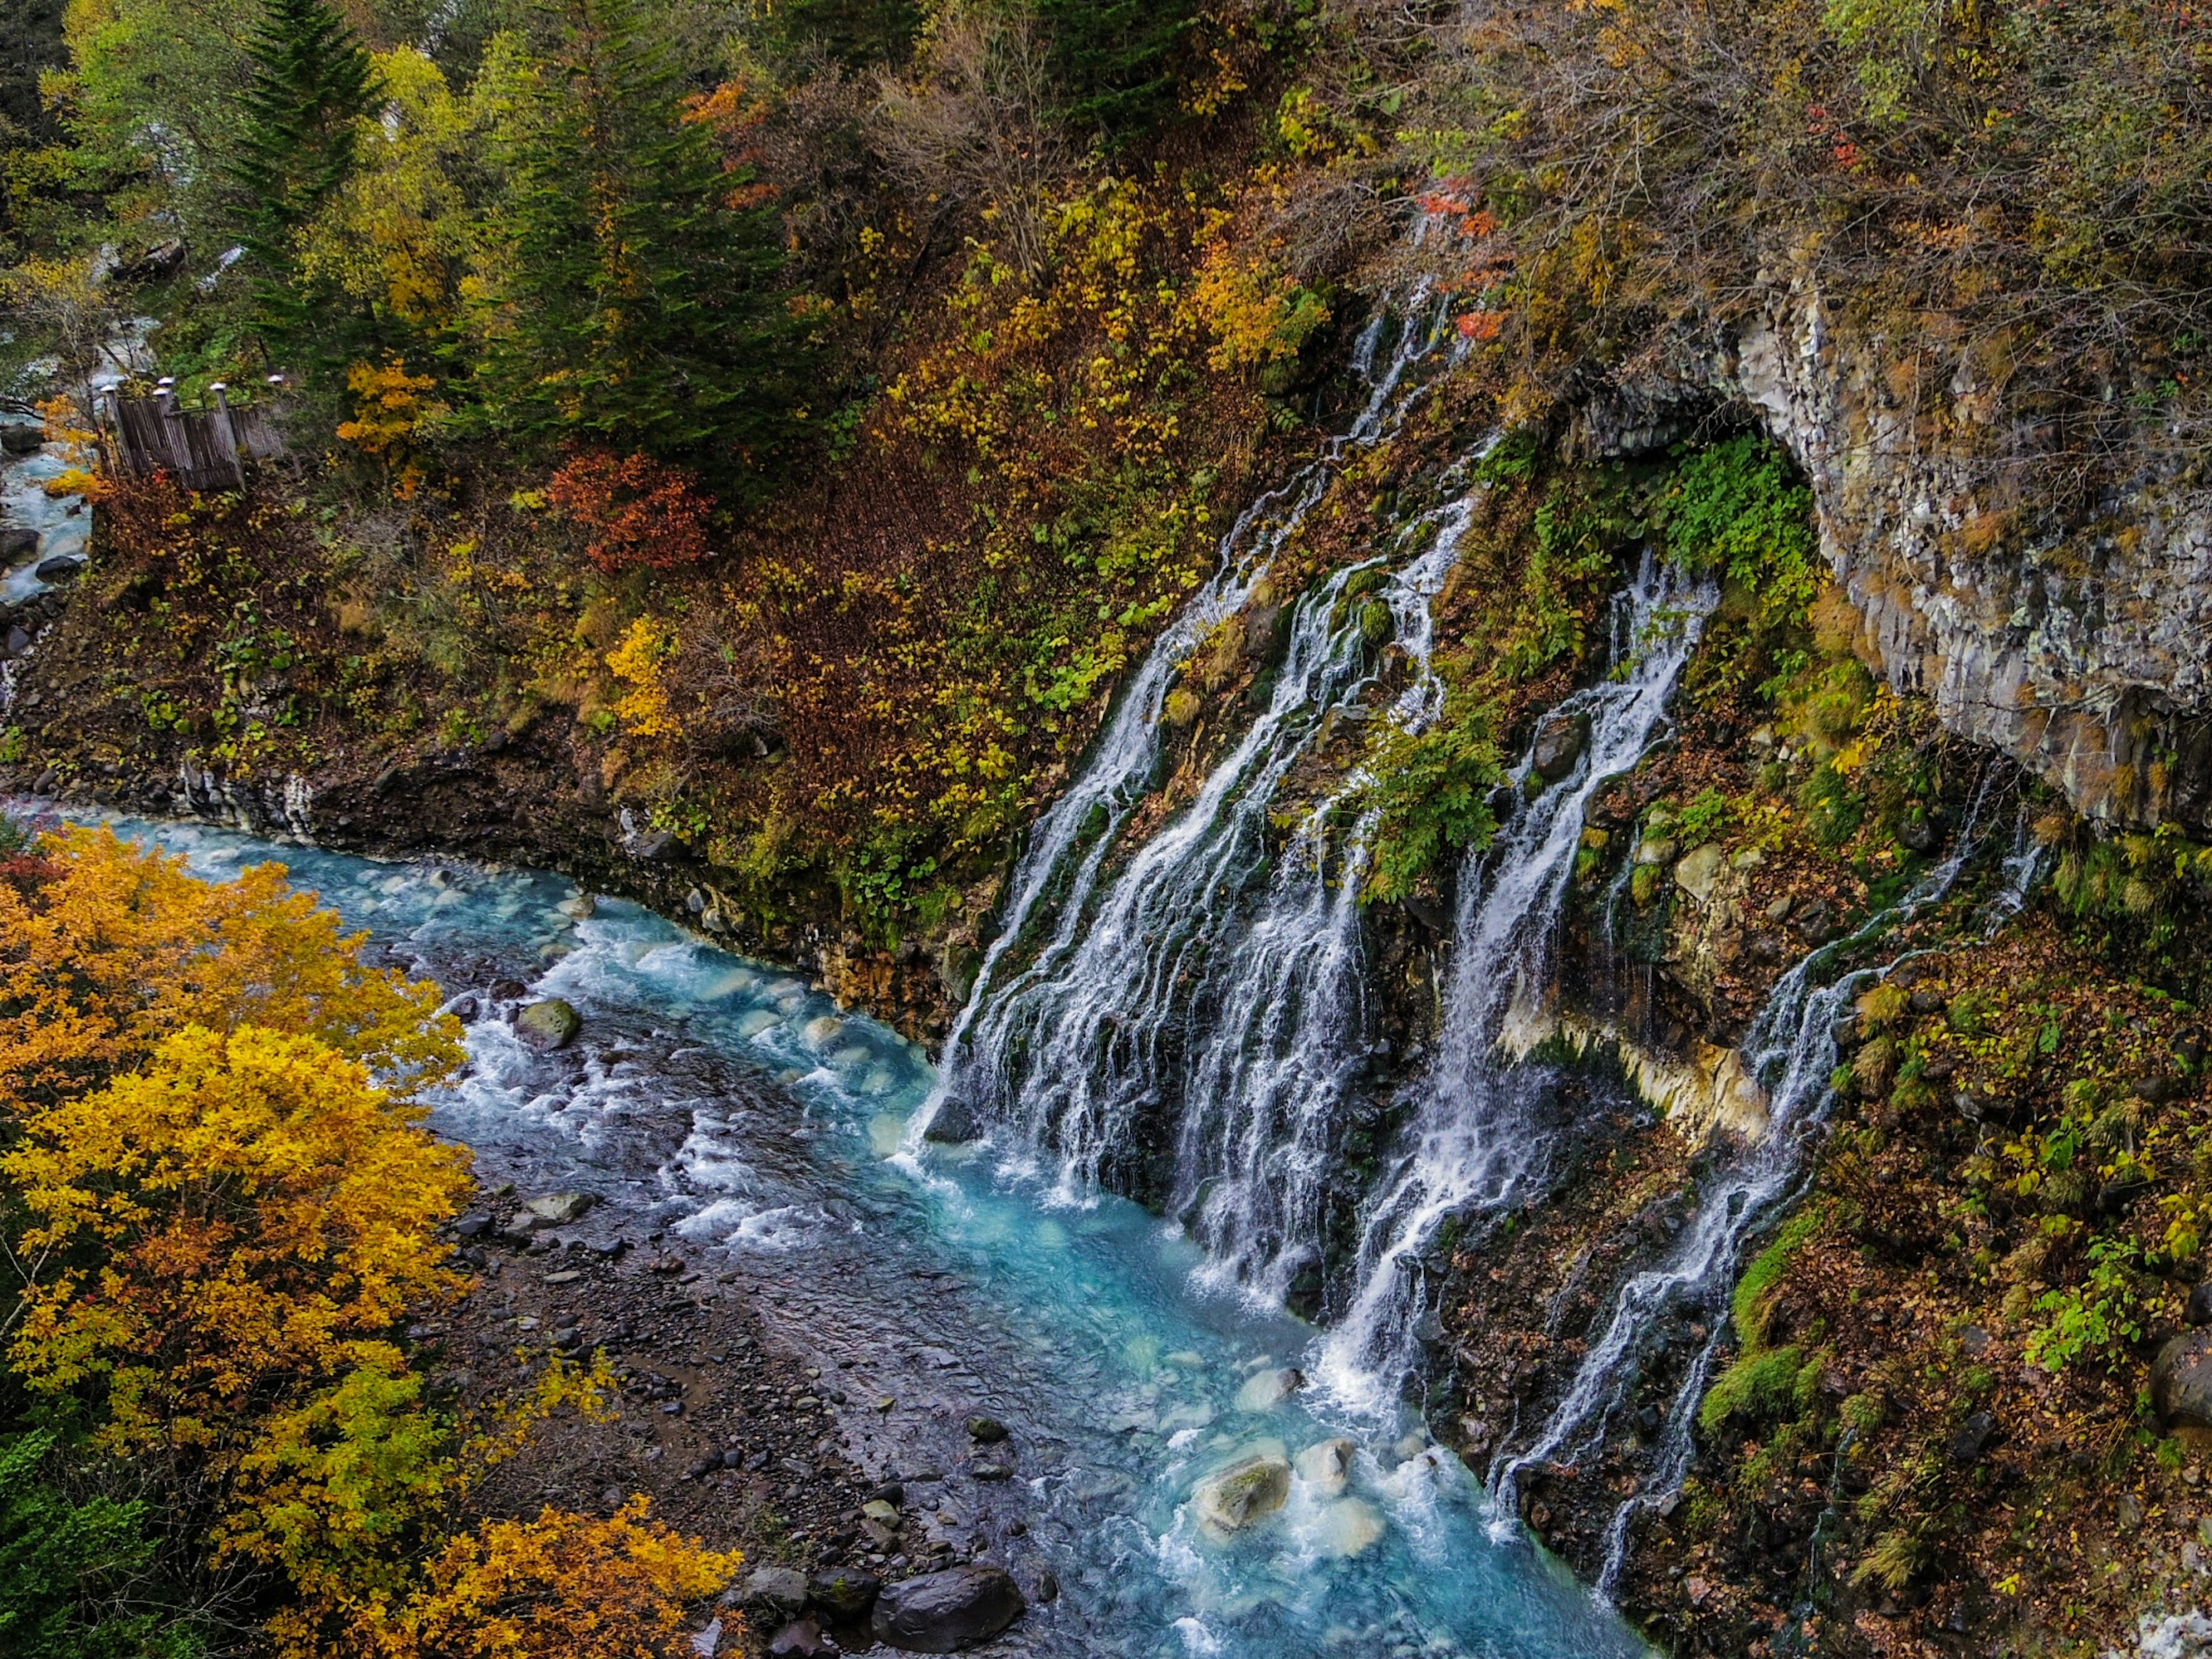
2074 636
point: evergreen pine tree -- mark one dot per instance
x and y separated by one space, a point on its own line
859 32
1114 58
630 301
312 82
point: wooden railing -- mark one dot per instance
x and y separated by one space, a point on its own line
208 448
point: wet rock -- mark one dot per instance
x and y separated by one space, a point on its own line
17 642
581 907
508 990
945 1611
475 1225
987 1430
2181 1381
1699 869
1560 743
59 568
1327 1467
769 1589
1349 1527
561 1208
991 1472
956 1123
20 438
1973 1438
844 1596
799 1639
1247 1491
547 1025
1922 831
18 542
1265 1390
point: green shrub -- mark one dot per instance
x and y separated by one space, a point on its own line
1432 790
1738 508
66 1568
1759 1388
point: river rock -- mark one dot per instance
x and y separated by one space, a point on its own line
945 1611
802 1638
772 1589
547 1025
20 438
59 568
956 1123
2199 1311
2181 1381
18 542
987 1430
1699 868
844 1594
1265 1390
1349 1527
1248 1490
561 1208
580 908
1560 743
1327 1467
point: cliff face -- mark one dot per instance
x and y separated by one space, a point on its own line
2074 638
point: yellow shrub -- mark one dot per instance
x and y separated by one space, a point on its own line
640 662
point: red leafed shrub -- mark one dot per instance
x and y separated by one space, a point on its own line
642 513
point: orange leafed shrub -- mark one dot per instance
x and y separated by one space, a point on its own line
641 514
564 1586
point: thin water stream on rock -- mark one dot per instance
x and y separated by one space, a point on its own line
721 1102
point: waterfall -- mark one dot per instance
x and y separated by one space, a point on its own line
1069 844
1472 1139
1791 1048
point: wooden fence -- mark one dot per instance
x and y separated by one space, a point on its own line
203 448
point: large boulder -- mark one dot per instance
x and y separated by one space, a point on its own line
2181 1381
1248 1490
1264 1390
1325 1467
844 1594
955 1123
547 1025
1560 743
770 1589
945 1611
1699 869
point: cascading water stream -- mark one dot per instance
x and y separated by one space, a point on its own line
1069 843
1472 1139
1791 1048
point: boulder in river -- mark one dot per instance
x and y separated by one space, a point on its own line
21 437
59 568
955 1122
547 1025
945 1611
988 1429
1327 1467
18 542
1248 1490
2181 1381
1349 1527
1265 1390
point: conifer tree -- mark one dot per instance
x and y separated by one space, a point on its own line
312 82
627 299
1114 58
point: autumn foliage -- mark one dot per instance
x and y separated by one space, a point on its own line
220 1204
641 513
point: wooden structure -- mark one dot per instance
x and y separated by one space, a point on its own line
205 448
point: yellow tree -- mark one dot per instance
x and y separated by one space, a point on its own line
121 946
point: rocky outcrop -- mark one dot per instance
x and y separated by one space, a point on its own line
2077 640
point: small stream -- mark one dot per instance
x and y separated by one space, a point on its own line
720 1103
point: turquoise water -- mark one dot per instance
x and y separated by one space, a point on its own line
719 1103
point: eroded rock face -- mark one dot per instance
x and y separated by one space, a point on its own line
2082 648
